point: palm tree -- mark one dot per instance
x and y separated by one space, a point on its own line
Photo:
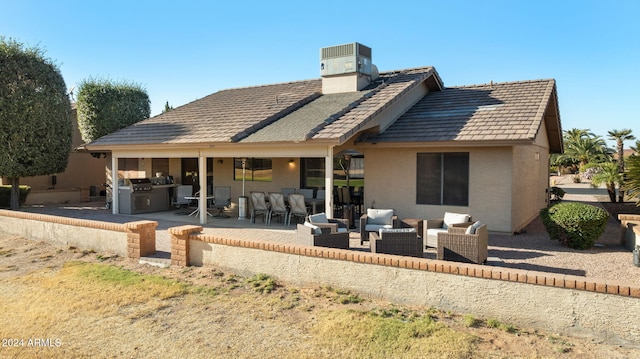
636 148
620 136
582 147
632 184
609 175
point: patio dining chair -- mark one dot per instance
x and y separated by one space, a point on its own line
306 192
278 208
222 200
297 207
182 192
258 206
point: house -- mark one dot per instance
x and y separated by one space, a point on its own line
81 180
426 148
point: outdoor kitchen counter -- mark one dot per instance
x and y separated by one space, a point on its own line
144 201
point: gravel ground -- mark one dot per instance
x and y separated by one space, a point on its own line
534 250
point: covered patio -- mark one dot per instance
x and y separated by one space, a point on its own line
308 170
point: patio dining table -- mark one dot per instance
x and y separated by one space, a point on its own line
197 210
313 202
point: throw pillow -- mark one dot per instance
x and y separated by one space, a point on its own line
379 216
473 228
476 225
318 218
470 230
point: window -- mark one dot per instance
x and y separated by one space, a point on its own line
257 169
160 165
312 173
443 179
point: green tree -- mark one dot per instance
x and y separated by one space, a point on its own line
582 147
632 183
609 175
167 107
105 106
636 148
620 136
35 115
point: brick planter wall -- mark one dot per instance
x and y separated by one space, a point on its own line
141 238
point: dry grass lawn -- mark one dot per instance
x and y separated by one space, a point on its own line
62 302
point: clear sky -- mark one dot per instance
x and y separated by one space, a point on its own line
180 51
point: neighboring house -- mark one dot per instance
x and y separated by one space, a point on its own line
82 178
427 148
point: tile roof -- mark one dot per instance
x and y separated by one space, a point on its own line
294 111
297 111
510 111
394 86
223 116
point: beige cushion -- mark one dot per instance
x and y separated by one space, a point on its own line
395 230
453 218
433 232
376 227
379 216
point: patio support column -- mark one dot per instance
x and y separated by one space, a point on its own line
115 206
328 182
202 178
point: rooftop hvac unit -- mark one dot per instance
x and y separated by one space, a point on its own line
345 59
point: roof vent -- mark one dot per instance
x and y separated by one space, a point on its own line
345 68
345 59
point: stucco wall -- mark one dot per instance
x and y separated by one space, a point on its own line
530 184
390 181
83 234
486 292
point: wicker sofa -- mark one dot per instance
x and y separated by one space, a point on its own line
398 241
310 235
457 244
335 224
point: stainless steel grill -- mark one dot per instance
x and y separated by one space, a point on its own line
141 185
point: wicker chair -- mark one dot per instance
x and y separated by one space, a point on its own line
376 219
457 245
308 236
335 224
434 226
399 241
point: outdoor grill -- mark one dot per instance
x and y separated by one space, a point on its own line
141 185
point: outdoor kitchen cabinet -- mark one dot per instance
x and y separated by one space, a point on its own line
138 201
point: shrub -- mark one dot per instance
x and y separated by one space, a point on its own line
576 225
5 195
557 193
